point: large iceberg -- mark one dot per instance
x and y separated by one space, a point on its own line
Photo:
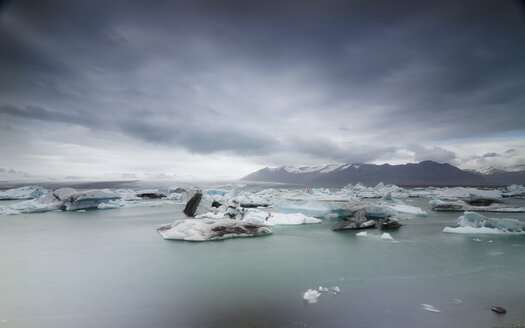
462 192
475 223
474 204
62 199
255 216
26 192
205 229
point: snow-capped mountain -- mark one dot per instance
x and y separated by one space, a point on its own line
423 173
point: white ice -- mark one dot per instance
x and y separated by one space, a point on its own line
314 209
311 296
256 216
386 236
400 207
26 192
204 229
430 308
475 223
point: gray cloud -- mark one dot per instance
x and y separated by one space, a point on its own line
345 81
435 153
488 155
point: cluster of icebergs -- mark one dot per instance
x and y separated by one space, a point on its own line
358 206
38 199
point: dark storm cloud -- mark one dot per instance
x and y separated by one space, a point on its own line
236 75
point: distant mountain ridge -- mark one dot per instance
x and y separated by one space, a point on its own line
423 173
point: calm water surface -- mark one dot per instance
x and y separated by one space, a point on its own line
110 268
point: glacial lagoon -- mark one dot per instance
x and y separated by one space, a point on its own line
111 268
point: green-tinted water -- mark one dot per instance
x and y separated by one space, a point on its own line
110 268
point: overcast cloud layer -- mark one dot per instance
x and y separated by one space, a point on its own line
221 88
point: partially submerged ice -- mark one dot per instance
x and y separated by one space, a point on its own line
206 229
474 204
67 199
400 207
475 223
358 220
204 209
26 192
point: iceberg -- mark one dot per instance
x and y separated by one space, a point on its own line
357 220
475 204
399 206
475 223
311 296
267 218
387 236
26 192
255 216
373 211
513 191
205 229
462 192
67 199
430 308
314 209
120 203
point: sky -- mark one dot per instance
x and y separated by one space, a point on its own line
219 89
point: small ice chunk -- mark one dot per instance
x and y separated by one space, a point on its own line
457 301
476 239
387 236
362 234
311 296
81 211
322 289
336 290
428 307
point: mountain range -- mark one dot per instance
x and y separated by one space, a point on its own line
426 173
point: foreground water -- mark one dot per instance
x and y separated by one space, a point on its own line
110 268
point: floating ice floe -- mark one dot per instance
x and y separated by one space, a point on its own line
513 191
205 229
204 209
67 199
120 203
384 236
430 308
256 216
359 220
475 223
311 296
475 204
387 236
26 192
314 208
400 207
462 192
